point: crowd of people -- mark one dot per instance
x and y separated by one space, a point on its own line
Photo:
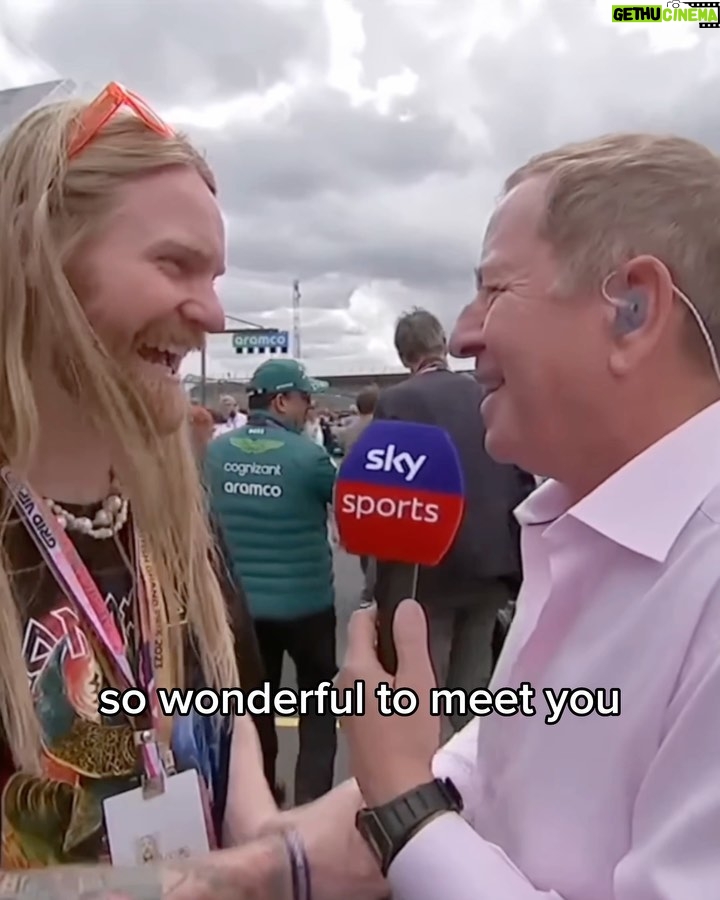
270 484
329 428
131 562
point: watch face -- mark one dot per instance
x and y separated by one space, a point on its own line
373 843
371 829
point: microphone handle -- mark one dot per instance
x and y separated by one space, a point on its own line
394 583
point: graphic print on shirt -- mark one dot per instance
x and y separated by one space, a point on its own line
58 818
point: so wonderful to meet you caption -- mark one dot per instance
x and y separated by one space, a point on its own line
329 700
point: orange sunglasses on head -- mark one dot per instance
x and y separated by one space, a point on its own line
98 113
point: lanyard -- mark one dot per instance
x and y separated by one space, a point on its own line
72 576
156 670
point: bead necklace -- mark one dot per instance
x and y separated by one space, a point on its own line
108 521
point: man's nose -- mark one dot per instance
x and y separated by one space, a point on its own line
467 338
206 312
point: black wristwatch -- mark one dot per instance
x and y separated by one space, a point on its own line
387 829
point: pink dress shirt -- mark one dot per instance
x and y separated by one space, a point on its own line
621 590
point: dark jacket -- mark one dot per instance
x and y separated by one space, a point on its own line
487 543
270 488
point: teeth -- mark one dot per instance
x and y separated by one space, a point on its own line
172 352
174 349
169 359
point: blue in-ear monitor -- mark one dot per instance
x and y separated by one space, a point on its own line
631 311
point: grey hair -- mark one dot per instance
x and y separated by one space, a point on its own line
626 195
419 335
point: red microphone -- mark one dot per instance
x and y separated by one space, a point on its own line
399 496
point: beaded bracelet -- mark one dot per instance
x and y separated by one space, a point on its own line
299 866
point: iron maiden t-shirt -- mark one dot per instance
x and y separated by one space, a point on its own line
58 818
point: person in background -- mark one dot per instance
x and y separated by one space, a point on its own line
202 429
365 404
271 489
217 417
233 416
313 427
347 436
330 442
464 594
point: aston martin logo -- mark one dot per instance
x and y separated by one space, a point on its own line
250 445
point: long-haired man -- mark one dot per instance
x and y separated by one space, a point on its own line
111 244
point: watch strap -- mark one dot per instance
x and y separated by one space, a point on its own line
390 827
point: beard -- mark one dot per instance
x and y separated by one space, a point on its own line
162 395
155 375
158 387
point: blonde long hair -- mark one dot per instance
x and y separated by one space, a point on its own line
48 207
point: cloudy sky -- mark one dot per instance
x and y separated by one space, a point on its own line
360 144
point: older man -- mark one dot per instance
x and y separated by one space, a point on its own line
480 575
597 296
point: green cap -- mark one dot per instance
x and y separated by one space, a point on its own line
279 376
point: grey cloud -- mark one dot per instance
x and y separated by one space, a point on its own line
249 294
613 81
423 235
268 302
180 50
561 76
363 247
403 36
324 145
341 196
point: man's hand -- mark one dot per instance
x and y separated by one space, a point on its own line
390 754
340 861
259 870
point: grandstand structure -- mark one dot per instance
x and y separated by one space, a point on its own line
345 381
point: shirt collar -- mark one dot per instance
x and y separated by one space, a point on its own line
644 505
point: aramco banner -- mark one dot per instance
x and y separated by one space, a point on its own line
261 341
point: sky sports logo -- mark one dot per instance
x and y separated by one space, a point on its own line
389 459
407 466
707 15
362 506
400 493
